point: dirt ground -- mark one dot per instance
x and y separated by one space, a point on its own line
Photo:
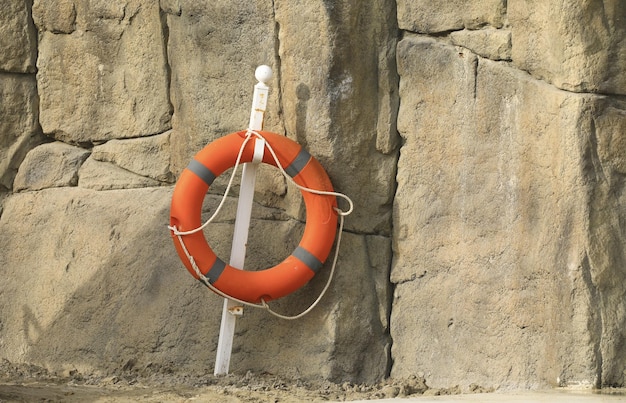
29 383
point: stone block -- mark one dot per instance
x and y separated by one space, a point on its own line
427 16
98 175
578 46
106 79
50 165
19 130
56 16
18 38
606 236
113 281
334 107
345 337
337 97
214 48
323 104
494 44
99 267
495 233
145 156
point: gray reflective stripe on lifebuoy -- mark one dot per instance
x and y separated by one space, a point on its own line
307 258
203 172
216 270
299 163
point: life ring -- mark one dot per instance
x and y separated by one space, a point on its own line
319 232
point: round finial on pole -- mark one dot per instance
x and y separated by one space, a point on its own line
263 73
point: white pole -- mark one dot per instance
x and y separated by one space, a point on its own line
231 308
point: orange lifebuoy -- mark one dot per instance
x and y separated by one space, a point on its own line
293 272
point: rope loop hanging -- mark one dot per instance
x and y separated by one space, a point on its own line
257 288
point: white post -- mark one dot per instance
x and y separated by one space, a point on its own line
242 221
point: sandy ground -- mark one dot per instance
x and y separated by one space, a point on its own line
232 388
27 383
50 392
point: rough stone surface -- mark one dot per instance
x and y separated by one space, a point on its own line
611 129
606 235
427 16
331 106
214 48
145 156
108 77
60 19
98 175
18 38
104 275
50 165
586 56
19 130
496 230
494 44
360 347
127 300
486 248
316 108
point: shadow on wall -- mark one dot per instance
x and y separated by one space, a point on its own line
115 297
138 306
303 94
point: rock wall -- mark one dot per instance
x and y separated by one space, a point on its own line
508 237
128 92
482 143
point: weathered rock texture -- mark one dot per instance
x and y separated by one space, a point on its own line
433 17
578 47
102 70
508 218
17 38
130 91
19 129
507 203
50 165
481 141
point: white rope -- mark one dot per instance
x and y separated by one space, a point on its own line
263 304
306 189
219 207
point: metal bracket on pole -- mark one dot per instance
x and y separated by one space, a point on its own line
231 308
